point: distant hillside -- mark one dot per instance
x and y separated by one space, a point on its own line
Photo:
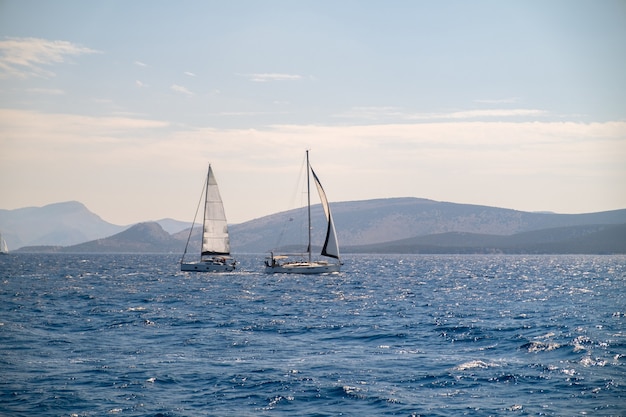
55 224
591 239
596 239
402 225
141 238
371 222
173 226
62 224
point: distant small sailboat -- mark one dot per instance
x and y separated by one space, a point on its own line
215 249
283 263
4 249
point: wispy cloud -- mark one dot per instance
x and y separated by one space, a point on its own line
266 77
507 100
140 64
248 113
474 114
140 84
46 91
65 129
28 57
396 113
180 89
374 113
189 74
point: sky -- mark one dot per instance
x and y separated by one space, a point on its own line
122 105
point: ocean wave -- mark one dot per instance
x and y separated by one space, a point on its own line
537 346
474 364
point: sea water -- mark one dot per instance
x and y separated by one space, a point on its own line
131 335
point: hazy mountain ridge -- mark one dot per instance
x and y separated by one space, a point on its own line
592 239
387 220
62 224
149 237
55 224
401 225
596 239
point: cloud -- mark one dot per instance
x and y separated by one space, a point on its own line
472 114
522 165
509 100
47 91
387 113
190 74
180 89
526 165
140 64
247 113
261 78
31 126
139 84
374 113
28 57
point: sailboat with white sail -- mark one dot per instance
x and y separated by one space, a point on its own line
215 248
303 263
4 249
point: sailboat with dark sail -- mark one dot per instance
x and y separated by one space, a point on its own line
303 263
215 249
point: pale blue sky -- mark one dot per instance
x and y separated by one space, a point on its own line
122 104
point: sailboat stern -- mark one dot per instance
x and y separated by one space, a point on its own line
320 267
282 264
214 264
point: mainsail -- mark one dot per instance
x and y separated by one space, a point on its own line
331 247
3 245
215 239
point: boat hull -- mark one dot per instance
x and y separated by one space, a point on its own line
302 268
207 267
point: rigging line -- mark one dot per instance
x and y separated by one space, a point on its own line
294 196
194 218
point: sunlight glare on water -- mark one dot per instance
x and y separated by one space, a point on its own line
407 335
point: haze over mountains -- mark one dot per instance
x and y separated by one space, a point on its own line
62 224
397 225
373 222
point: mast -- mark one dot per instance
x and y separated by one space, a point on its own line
204 217
308 194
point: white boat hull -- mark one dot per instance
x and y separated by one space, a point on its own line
207 266
303 268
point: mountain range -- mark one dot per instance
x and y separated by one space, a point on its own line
62 224
396 225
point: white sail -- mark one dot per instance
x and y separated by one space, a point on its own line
331 247
215 239
3 245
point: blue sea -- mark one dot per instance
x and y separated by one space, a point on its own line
130 335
